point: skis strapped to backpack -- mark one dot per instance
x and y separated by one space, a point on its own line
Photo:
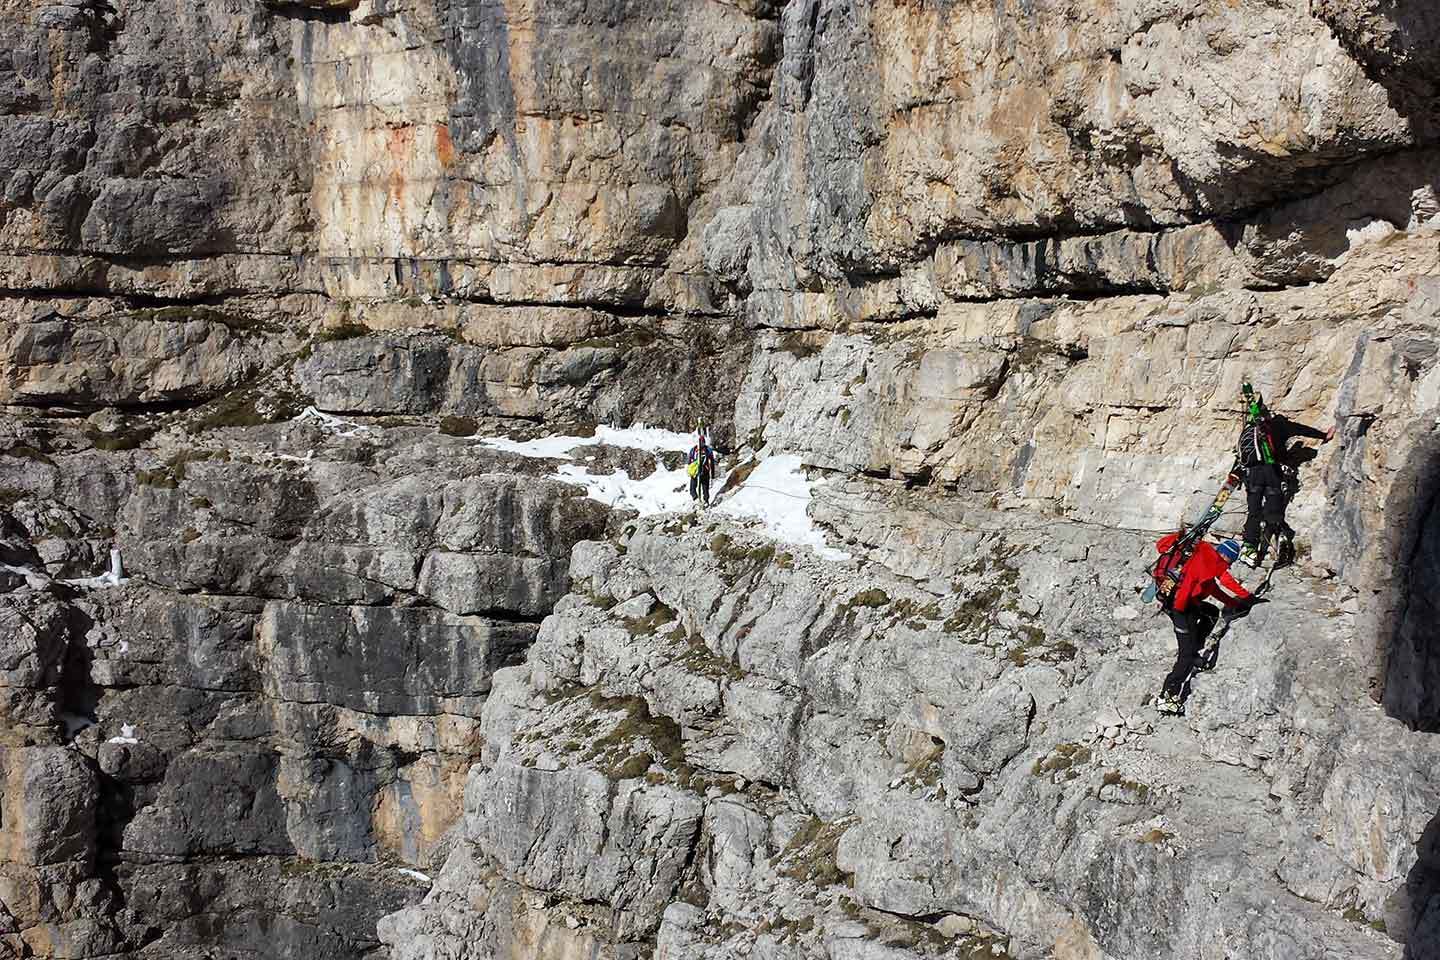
1165 574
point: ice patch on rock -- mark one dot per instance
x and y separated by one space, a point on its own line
34 579
113 577
413 874
1362 233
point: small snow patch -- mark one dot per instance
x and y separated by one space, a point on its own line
545 448
127 735
413 874
778 494
341 428
113 577
1359 234
96 583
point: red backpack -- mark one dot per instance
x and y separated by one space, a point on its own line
1169 570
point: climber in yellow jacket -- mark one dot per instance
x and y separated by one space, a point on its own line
700 466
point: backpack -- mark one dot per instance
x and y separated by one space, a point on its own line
1169 570
1254 446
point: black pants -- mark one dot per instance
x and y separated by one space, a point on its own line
1192 626
1266 494
700 486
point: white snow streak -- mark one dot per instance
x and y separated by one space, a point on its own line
127 735
645 438
341 428
545 448
104 580
638 437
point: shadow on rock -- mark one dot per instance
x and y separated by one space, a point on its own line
1398 45
1415 916
1408 667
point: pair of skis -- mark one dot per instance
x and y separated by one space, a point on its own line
1185 545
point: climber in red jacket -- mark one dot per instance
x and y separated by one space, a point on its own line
1205 574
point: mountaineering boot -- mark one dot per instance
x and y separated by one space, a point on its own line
1209 655
1284 552
1250 555
1169 705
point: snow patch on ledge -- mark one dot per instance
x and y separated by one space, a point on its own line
341 428
778 494
638 437
775 496
664 491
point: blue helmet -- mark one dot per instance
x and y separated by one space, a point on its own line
1230 550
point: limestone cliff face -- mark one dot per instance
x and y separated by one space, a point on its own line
367 686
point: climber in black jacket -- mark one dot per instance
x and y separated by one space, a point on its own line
1269 465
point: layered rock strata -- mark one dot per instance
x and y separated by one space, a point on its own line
269 271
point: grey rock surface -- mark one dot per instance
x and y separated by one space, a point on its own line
359 684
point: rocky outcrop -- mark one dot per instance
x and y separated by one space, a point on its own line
271 271
860 758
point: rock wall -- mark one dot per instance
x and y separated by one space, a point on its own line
996 271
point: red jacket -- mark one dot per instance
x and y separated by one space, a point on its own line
1202 570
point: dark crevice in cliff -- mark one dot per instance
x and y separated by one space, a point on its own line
145 300
1310 183
71 409
79 700
620 311
78 693
308 14
1074 294
501 615
31 294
